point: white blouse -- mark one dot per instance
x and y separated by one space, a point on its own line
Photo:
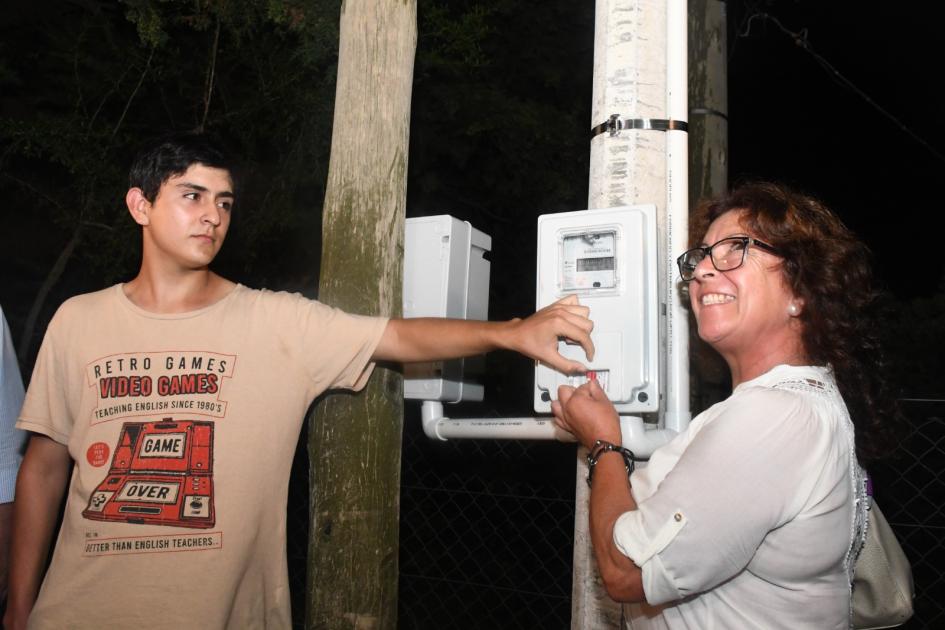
748 519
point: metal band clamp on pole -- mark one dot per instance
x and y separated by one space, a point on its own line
616 123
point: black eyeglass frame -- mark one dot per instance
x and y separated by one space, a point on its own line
706 250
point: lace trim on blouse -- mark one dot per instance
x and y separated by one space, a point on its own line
828 392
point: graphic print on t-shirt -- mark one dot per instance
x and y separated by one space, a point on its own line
166 403
161 474
151 384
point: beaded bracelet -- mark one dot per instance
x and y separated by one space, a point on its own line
600 447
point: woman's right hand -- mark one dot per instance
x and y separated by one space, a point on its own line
586 413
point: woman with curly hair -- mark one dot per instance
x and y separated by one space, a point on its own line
752 518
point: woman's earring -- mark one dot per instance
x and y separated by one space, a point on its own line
792 309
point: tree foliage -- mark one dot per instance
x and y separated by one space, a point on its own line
83 82
499 129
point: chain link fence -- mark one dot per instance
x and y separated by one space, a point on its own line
486 533
487 527
910 488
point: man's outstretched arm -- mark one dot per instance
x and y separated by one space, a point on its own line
40 486
537 336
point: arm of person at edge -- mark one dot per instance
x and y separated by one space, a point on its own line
537 336
6 520
586 413
40 486
11 399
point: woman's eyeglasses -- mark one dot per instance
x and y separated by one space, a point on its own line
727 254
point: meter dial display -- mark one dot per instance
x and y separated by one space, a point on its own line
588 261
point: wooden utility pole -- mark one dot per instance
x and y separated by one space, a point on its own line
708 99
355 441
708 160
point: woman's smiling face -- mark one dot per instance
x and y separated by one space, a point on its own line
740 310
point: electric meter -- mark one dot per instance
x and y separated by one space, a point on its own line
608 258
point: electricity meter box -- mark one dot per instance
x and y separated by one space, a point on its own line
608 258
446 274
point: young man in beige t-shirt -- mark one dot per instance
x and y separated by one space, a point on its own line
178 397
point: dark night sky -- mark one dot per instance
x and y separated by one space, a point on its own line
790 120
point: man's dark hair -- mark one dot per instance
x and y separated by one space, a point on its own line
170 155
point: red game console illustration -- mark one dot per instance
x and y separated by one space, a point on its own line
161 474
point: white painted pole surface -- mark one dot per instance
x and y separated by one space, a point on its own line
635 42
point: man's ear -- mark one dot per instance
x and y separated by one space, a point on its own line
138 206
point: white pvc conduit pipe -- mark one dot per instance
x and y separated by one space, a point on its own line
677 413
438 427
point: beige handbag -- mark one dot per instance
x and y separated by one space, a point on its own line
882 578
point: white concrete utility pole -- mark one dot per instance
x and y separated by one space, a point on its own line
639 156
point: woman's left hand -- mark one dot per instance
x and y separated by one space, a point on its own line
586 413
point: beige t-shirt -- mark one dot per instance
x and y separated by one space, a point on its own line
183 428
